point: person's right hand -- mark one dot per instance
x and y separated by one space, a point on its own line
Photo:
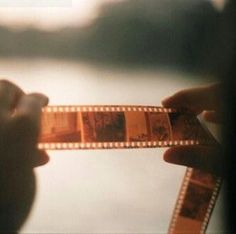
19 129
205 100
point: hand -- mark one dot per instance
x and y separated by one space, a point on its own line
205 100
19 128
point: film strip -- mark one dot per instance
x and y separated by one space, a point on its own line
104 127
195 203
117 127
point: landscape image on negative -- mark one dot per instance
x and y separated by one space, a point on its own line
60 127
103 126
204 178
186 127
196 202
159 126
136 126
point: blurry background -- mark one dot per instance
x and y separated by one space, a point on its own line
109 52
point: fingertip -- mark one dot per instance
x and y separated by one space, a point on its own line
31 105
166 155
183 155
176 100
165 101
42 158
43 99
172 156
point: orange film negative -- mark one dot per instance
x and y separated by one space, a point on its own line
195 203
98 127
116 127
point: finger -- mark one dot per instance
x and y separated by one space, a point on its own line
19 144
9 96
19 140
43 99
41 158
23 129
195 99
212 116
200 157
31 106
20 133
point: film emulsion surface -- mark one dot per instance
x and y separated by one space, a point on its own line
111 127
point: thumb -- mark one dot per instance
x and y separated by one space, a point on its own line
207 158
19 142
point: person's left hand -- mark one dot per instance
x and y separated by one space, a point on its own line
19 129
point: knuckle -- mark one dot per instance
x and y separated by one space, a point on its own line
5 82
10 88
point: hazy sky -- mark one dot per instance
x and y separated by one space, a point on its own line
80 12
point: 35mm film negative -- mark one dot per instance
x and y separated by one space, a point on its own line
195 202
116 127
97 127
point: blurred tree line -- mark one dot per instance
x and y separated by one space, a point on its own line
177 33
